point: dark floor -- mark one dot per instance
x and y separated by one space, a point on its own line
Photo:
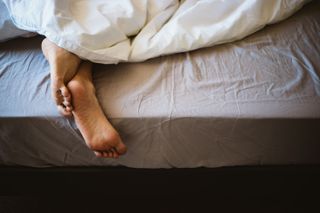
92 203
251 189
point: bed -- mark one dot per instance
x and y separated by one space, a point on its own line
253 102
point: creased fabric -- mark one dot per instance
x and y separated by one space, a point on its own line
108 31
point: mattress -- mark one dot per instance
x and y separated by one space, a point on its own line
251 102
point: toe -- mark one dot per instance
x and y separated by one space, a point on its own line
65 92
66 103
67 99
107 154
104 154
114 153
115 141
98 154
68 106
63 111
68 109
121 148
58 98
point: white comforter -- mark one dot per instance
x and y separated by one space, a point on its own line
111 31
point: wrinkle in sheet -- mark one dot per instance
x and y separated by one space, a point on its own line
303 62
275 88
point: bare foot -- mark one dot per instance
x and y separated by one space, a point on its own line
63 67
98 133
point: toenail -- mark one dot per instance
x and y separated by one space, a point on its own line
66 103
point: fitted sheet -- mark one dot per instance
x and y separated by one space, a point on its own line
250 102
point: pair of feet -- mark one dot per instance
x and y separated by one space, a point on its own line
74 93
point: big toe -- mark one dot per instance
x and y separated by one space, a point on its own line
65 93
121 148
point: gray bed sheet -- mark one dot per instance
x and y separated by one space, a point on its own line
250 102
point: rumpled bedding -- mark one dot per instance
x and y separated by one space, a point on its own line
108 31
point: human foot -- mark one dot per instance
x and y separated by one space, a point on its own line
63 67
98 133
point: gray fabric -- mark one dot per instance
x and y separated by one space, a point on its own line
251 102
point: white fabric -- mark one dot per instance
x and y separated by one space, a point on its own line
109 31
7 29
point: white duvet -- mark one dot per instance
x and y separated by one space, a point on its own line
112 31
